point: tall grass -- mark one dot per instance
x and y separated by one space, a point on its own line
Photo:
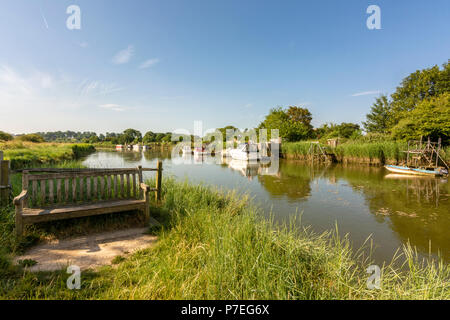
363 151
370 152
296 150
386 151
26 154
216 245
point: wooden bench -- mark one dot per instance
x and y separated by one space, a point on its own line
63 194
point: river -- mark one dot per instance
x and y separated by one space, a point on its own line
362 201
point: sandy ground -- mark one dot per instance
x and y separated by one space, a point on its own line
87 252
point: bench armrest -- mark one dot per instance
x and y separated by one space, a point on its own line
145 187
20 198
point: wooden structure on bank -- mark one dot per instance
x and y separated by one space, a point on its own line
425 155
5 181
318 153
54 194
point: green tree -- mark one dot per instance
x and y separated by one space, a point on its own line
430 118
5 136
293 127
131 135
149 137
32 137
301 115
159 137
419 86
379 118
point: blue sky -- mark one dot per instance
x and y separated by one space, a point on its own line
161 65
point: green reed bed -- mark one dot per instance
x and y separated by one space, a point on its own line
370 152
387 151
296 150
23 154
216 245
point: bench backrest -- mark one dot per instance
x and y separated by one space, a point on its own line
82 186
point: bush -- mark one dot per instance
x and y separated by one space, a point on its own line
32 137
4 136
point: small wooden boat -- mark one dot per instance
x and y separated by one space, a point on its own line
417 171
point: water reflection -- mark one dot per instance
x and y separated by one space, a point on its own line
362 200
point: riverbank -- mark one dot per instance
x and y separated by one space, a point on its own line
28 154
371 153
216 245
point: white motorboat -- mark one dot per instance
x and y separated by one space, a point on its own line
186 150
201 151
245 151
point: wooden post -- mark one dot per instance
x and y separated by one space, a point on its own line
437 153
141 180
4 181
158 181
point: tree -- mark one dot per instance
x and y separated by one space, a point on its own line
131 135
430 118
343 130
32 137
159 137
379 118
419 86
301 115
5 136
149 137
167 137
290 129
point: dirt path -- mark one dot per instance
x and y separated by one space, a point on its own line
89 251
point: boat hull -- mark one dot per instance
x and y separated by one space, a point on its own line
412 171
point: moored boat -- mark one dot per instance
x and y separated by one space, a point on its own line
417 171
245 151
201 151
186 150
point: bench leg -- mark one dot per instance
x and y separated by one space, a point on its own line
19 222
146 212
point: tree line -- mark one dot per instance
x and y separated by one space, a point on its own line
128 136
419 107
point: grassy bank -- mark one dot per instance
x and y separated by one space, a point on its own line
215 245
376 152
27 154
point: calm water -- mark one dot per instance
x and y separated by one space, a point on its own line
363 201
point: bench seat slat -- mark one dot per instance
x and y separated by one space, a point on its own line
37 215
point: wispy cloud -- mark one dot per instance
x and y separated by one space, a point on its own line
45 20
123 56
149 63
112 106
97 88
365 93
83 44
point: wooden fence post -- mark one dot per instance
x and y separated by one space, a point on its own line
4 181
158 181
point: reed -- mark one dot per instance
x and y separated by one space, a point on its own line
296 150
